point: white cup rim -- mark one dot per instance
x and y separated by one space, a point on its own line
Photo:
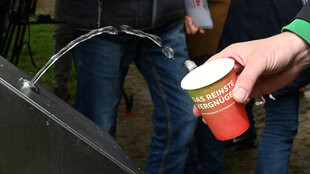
207 74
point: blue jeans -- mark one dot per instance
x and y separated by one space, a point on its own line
211 152
249 107
278 135
207 154
101 67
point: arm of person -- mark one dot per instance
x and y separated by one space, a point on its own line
281 69
269 64
266 65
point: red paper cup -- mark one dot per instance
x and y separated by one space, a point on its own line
210 87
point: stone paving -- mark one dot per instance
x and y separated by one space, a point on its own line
134 131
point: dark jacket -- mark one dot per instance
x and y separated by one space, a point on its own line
139 14
257 19
305 12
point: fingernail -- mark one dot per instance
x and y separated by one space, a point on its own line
240 95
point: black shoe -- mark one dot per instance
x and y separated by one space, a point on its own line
245 141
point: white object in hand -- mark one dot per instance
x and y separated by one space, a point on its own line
199 11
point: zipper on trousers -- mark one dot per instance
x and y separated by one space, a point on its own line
154 12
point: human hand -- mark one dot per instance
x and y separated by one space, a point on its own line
266 65
191 27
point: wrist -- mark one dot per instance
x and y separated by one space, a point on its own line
299 50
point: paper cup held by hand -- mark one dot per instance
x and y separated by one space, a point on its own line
210 86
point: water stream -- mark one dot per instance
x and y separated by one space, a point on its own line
167 51
72 44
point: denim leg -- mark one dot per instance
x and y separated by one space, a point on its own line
249 107
211 152
99 80
278 135
207 156
174 122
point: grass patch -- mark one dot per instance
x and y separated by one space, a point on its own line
42 45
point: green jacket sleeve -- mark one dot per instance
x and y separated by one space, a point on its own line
301 23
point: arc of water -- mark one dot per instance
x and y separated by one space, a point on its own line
54 58
167 51
129 30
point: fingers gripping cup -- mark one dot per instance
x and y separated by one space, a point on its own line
210 87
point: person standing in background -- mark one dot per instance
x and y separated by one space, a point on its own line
248 20
102 63
202 44
63 66
269 64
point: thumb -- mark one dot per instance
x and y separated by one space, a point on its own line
245 83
